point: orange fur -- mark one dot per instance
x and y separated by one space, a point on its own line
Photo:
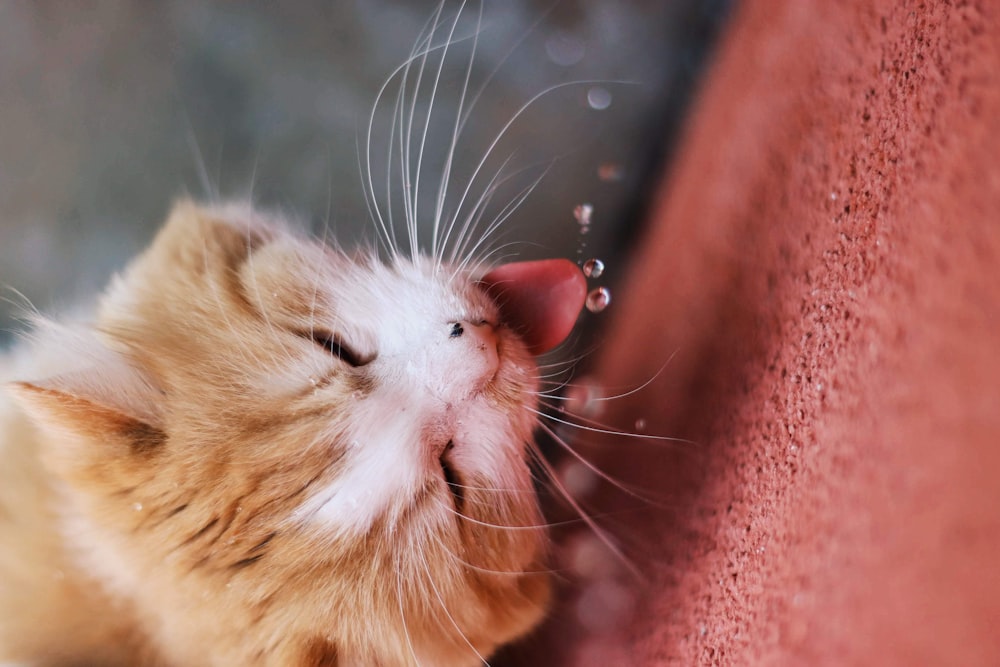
151 512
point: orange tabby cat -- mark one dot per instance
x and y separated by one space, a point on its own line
267 451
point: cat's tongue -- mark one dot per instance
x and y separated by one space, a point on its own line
540 300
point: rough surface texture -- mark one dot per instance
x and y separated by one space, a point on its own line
824 261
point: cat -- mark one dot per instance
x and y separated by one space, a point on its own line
266 450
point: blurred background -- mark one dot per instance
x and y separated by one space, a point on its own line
111 111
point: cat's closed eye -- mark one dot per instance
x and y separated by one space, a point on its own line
336 346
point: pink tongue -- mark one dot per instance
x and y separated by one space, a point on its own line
540 300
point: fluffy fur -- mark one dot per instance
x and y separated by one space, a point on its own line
204 477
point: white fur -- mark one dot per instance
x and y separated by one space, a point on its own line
429 391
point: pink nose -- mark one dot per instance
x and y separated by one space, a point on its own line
484 334
481 338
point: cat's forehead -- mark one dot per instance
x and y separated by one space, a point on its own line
360 292
221 278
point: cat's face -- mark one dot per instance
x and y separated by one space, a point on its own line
281 453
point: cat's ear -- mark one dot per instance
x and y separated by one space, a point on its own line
100 415
541 300
67 414
197 237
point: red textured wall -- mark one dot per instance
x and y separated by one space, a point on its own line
823 259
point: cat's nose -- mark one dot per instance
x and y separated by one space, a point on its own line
471 359
483 335
479 337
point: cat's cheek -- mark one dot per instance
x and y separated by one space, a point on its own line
381 465
485 439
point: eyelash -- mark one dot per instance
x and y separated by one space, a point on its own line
335 346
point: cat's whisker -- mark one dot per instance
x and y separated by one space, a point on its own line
492 489
253 178
406 121
397 134
23 308
559 368
462 120
555 386
474 215
402 614
406 136
382 236
596 470
385 224
557 360
414 207
491 257
598 531
474 176
605 429
199 158
501 62
447 612
472 221
629 392
495 526
552 380
437 251
328 210
485 570
557 377
487 236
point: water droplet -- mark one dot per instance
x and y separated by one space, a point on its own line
598 299
137 507
599 98
640 425
584 399
593 268
603 604
611 171
577 479
582 214
588 557
564 49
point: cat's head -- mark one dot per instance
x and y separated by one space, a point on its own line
285 452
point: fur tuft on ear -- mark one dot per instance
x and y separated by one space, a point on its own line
101 408
193 232
69 416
